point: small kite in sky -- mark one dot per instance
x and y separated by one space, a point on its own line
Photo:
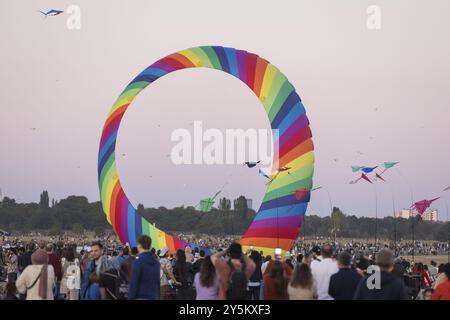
368 169
251 164
262 173
51 12
423 205
446 189
363 176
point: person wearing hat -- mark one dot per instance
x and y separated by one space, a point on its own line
38 279
390 286
165 274
343 283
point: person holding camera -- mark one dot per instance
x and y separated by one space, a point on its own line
235 269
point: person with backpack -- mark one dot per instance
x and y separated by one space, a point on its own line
98 264
167 279
184 276
70 282
254 284
234 269
113 286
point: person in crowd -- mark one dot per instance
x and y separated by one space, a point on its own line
184 276
424 279
11 291
188 254
234 268
299 258
343 283
254 284
198 263
362 265
145 274
70 282
322 271
441 276
206 281
167 279
302 286
98 263
38 279
121 258
276 280
433 270
25 259
12 267
442 290
399 269
390 286
127 264
55 261
266 263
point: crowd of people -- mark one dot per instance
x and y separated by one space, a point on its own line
107 271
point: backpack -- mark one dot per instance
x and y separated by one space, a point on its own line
237 284
120 285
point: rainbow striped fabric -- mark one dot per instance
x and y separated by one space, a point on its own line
278 221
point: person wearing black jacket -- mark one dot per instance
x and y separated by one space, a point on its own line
382 285
343 283
254 284
198 264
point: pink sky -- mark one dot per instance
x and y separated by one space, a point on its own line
384 93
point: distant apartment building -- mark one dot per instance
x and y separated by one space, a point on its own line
250 203
429 215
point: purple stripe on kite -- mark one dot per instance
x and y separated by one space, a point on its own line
299 124
163 66
287 222
242 64
123 218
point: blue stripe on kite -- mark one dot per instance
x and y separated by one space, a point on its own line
106 146
109 153
292 116
232 61
154 71
287 106
137 224
288 200
220 53
287 211
131 225
145 77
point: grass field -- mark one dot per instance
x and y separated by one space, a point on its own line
427 259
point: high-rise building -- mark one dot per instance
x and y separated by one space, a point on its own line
250 203
429 215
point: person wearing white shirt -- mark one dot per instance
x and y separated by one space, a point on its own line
323 270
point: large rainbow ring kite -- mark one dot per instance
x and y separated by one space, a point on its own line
278 221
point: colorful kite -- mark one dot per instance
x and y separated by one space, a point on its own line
273 226
368 169
423 205
363 176
51 12
251 164
356 168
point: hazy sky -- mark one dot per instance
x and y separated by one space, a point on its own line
383 93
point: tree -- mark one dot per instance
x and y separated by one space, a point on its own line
337 218
44 201
140 207
77 228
